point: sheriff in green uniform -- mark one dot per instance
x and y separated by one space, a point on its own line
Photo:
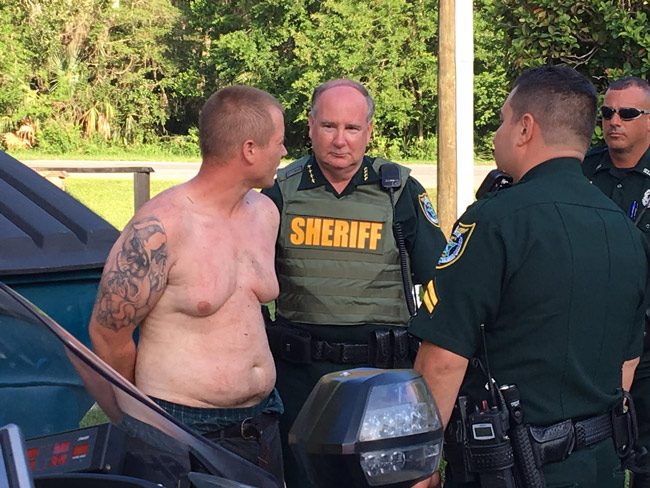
557 275
342 296
621 169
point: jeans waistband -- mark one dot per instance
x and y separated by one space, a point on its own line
211 419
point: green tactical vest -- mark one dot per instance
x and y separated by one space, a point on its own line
337 259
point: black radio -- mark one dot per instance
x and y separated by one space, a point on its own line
490 451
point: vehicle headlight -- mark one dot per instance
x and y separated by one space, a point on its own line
368 427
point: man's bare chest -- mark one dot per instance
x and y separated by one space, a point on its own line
207 272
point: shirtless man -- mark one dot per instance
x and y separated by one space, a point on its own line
191 269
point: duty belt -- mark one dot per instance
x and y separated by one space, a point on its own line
385 348
556 442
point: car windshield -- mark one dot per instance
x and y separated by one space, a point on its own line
50 383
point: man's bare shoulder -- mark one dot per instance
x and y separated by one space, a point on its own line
166 208
167 199
263 206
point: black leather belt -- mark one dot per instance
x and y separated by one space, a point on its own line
248 429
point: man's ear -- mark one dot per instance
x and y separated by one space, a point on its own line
249 149
525 128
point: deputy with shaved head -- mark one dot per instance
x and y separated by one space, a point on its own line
545 282
190 270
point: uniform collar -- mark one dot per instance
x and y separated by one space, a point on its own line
643 166
553 166
313 177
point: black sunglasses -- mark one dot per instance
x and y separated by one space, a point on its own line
625 113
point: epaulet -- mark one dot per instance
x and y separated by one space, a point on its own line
292 169
379 162
596 150
478 207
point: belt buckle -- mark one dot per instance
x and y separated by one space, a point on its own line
242 429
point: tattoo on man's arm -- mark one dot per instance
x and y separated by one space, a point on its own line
138 274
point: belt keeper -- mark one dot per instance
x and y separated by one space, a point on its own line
379 349
400 345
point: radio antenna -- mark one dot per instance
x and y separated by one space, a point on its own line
491 382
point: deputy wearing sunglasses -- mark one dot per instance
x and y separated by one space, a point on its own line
621 169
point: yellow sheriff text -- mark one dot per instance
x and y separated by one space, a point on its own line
323 232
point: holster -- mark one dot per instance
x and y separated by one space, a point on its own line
289 343
625 428
626 434
456 452
553 443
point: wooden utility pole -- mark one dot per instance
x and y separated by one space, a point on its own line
447 115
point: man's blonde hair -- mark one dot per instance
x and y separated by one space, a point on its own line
231 116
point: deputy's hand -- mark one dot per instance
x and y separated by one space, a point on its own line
433 482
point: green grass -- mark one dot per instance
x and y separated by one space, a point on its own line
107 154
94 416
111 199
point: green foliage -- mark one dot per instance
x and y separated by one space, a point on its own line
288 48
14 88
60 139
490 77
422 149
605 39
91 75
86 68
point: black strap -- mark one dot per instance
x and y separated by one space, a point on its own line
341 353
592 430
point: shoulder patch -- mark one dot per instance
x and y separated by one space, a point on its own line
456 245
427 209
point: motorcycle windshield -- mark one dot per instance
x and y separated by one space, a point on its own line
49 382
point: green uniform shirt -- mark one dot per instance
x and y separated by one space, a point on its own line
557 274
413 210
628 188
